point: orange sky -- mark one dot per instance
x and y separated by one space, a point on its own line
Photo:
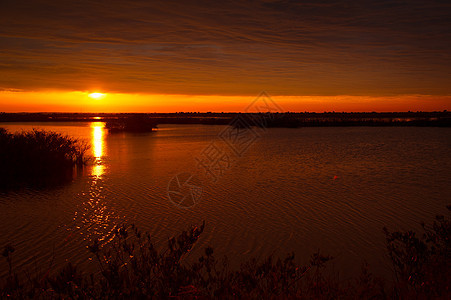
121 102
168 56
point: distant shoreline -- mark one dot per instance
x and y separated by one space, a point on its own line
288 119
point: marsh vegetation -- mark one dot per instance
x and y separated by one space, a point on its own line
38 157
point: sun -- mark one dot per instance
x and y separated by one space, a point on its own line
97 95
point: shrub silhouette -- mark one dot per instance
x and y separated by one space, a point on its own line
132 267
421 265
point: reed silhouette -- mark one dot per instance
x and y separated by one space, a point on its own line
38 158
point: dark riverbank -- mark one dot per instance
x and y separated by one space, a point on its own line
423 119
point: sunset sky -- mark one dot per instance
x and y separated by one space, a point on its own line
168 56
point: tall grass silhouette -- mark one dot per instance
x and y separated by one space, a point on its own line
38 157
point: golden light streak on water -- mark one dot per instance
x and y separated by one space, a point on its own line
98 170
98 148
97 139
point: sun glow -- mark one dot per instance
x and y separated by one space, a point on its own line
97 95
82 102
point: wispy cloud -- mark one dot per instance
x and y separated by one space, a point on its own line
229 47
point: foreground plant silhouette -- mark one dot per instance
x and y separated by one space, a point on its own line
38 157
421 265
131 267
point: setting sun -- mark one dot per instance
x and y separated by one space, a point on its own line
96 95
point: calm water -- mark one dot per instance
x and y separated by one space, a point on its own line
292 190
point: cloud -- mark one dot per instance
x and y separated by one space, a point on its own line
228 47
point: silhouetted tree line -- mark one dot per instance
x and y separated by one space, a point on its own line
287 119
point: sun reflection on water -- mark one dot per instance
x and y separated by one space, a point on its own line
98 148
98 170
95 218
97 139
96 215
